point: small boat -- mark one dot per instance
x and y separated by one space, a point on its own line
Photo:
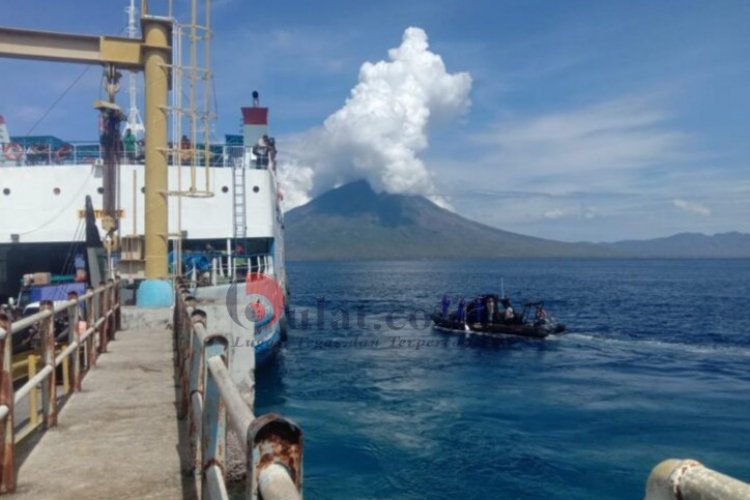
483 317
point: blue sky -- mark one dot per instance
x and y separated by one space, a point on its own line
588 120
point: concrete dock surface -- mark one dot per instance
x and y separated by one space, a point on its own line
119 438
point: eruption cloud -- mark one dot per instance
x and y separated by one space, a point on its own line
380 131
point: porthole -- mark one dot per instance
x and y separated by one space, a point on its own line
143 189
100 190
6 191
224 189
256 189
56 191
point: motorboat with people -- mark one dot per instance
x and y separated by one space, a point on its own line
494 316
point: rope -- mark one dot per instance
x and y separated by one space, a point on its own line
57 101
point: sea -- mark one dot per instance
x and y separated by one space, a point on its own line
655 364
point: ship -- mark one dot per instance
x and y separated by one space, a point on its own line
223 220
45 181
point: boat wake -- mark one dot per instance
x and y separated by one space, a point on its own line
652 345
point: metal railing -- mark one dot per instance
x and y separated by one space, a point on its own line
76 153
76 356
689 480
209 399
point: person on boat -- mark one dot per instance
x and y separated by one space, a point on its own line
461 311
477 311
541 317
491 310
541 314
129 143
445 305
509 314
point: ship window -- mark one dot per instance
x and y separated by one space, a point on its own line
143 189
6 191
224 189
56 191
256 189
100 190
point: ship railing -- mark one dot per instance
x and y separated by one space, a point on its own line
90 323
77 153
255 264
270 444
227 267
675 479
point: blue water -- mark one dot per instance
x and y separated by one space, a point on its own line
656 365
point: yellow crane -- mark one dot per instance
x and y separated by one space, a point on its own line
152 54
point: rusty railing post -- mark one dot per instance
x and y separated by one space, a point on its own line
74 335
116 321
214 419
185 353
103 308
274 445
49 386
195 390
7 452
90 321
111 318
177 327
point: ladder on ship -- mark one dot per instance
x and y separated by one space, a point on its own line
238 201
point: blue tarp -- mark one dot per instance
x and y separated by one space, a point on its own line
55 292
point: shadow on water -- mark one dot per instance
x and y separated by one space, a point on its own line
269 383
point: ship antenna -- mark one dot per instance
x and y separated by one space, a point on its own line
135 124
256 99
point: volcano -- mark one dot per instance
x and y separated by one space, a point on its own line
354 222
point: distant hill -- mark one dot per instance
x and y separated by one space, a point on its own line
689 245
354 222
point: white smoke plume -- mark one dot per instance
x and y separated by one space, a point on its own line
380 131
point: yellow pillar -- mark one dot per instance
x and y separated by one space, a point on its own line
156 52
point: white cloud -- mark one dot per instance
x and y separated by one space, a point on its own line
295 182
381 130
692 207
598 147
554 214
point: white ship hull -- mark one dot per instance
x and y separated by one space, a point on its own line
43 206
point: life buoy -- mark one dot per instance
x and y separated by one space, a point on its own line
63 152
13 151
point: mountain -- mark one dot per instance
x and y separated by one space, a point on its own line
689 245
354 222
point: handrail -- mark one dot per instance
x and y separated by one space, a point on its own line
271 444
102 309
90 153
689 480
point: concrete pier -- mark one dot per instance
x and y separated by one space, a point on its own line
119 438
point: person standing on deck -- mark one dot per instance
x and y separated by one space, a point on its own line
129 142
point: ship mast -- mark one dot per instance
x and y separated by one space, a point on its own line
135 124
